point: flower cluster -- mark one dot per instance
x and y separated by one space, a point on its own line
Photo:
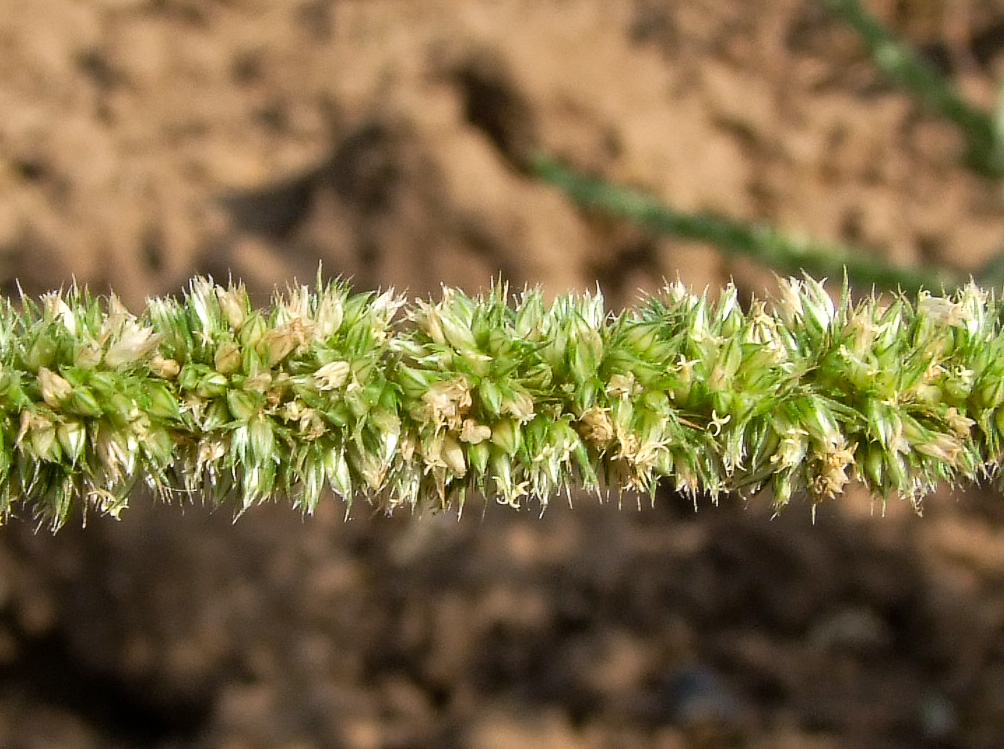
422 404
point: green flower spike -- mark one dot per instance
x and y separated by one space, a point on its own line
511 399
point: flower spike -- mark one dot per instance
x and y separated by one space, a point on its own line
330 391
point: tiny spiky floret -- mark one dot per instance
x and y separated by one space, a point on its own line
421 404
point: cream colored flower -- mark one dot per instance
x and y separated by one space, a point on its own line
940 310
55 307
622 386
227 358
474 433
831 477
447 401
332 375
519 405
328 318
53 388
597 428
233 304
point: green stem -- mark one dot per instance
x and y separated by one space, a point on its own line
765 244
904 66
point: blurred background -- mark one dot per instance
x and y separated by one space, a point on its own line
145 141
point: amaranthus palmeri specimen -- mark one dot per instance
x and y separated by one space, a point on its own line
423 404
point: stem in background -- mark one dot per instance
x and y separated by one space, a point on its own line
903 65
782 252
332 391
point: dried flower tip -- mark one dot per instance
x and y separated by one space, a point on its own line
332 375
408 446
32 421
622 386
280 342
227 358
384 307
762 327
817 303
942 447
260 382
234 305
87 355
134 342
474 433
792 448
959 423
210 450
427 317
41 434
53 388
55 307
106 502
201 299
443 451
676 291
832 476
789 302
328 318
519 405
116 309
446 401
940 310
596 427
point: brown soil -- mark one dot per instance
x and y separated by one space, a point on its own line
144 141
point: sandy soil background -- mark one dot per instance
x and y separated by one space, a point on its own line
145 141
